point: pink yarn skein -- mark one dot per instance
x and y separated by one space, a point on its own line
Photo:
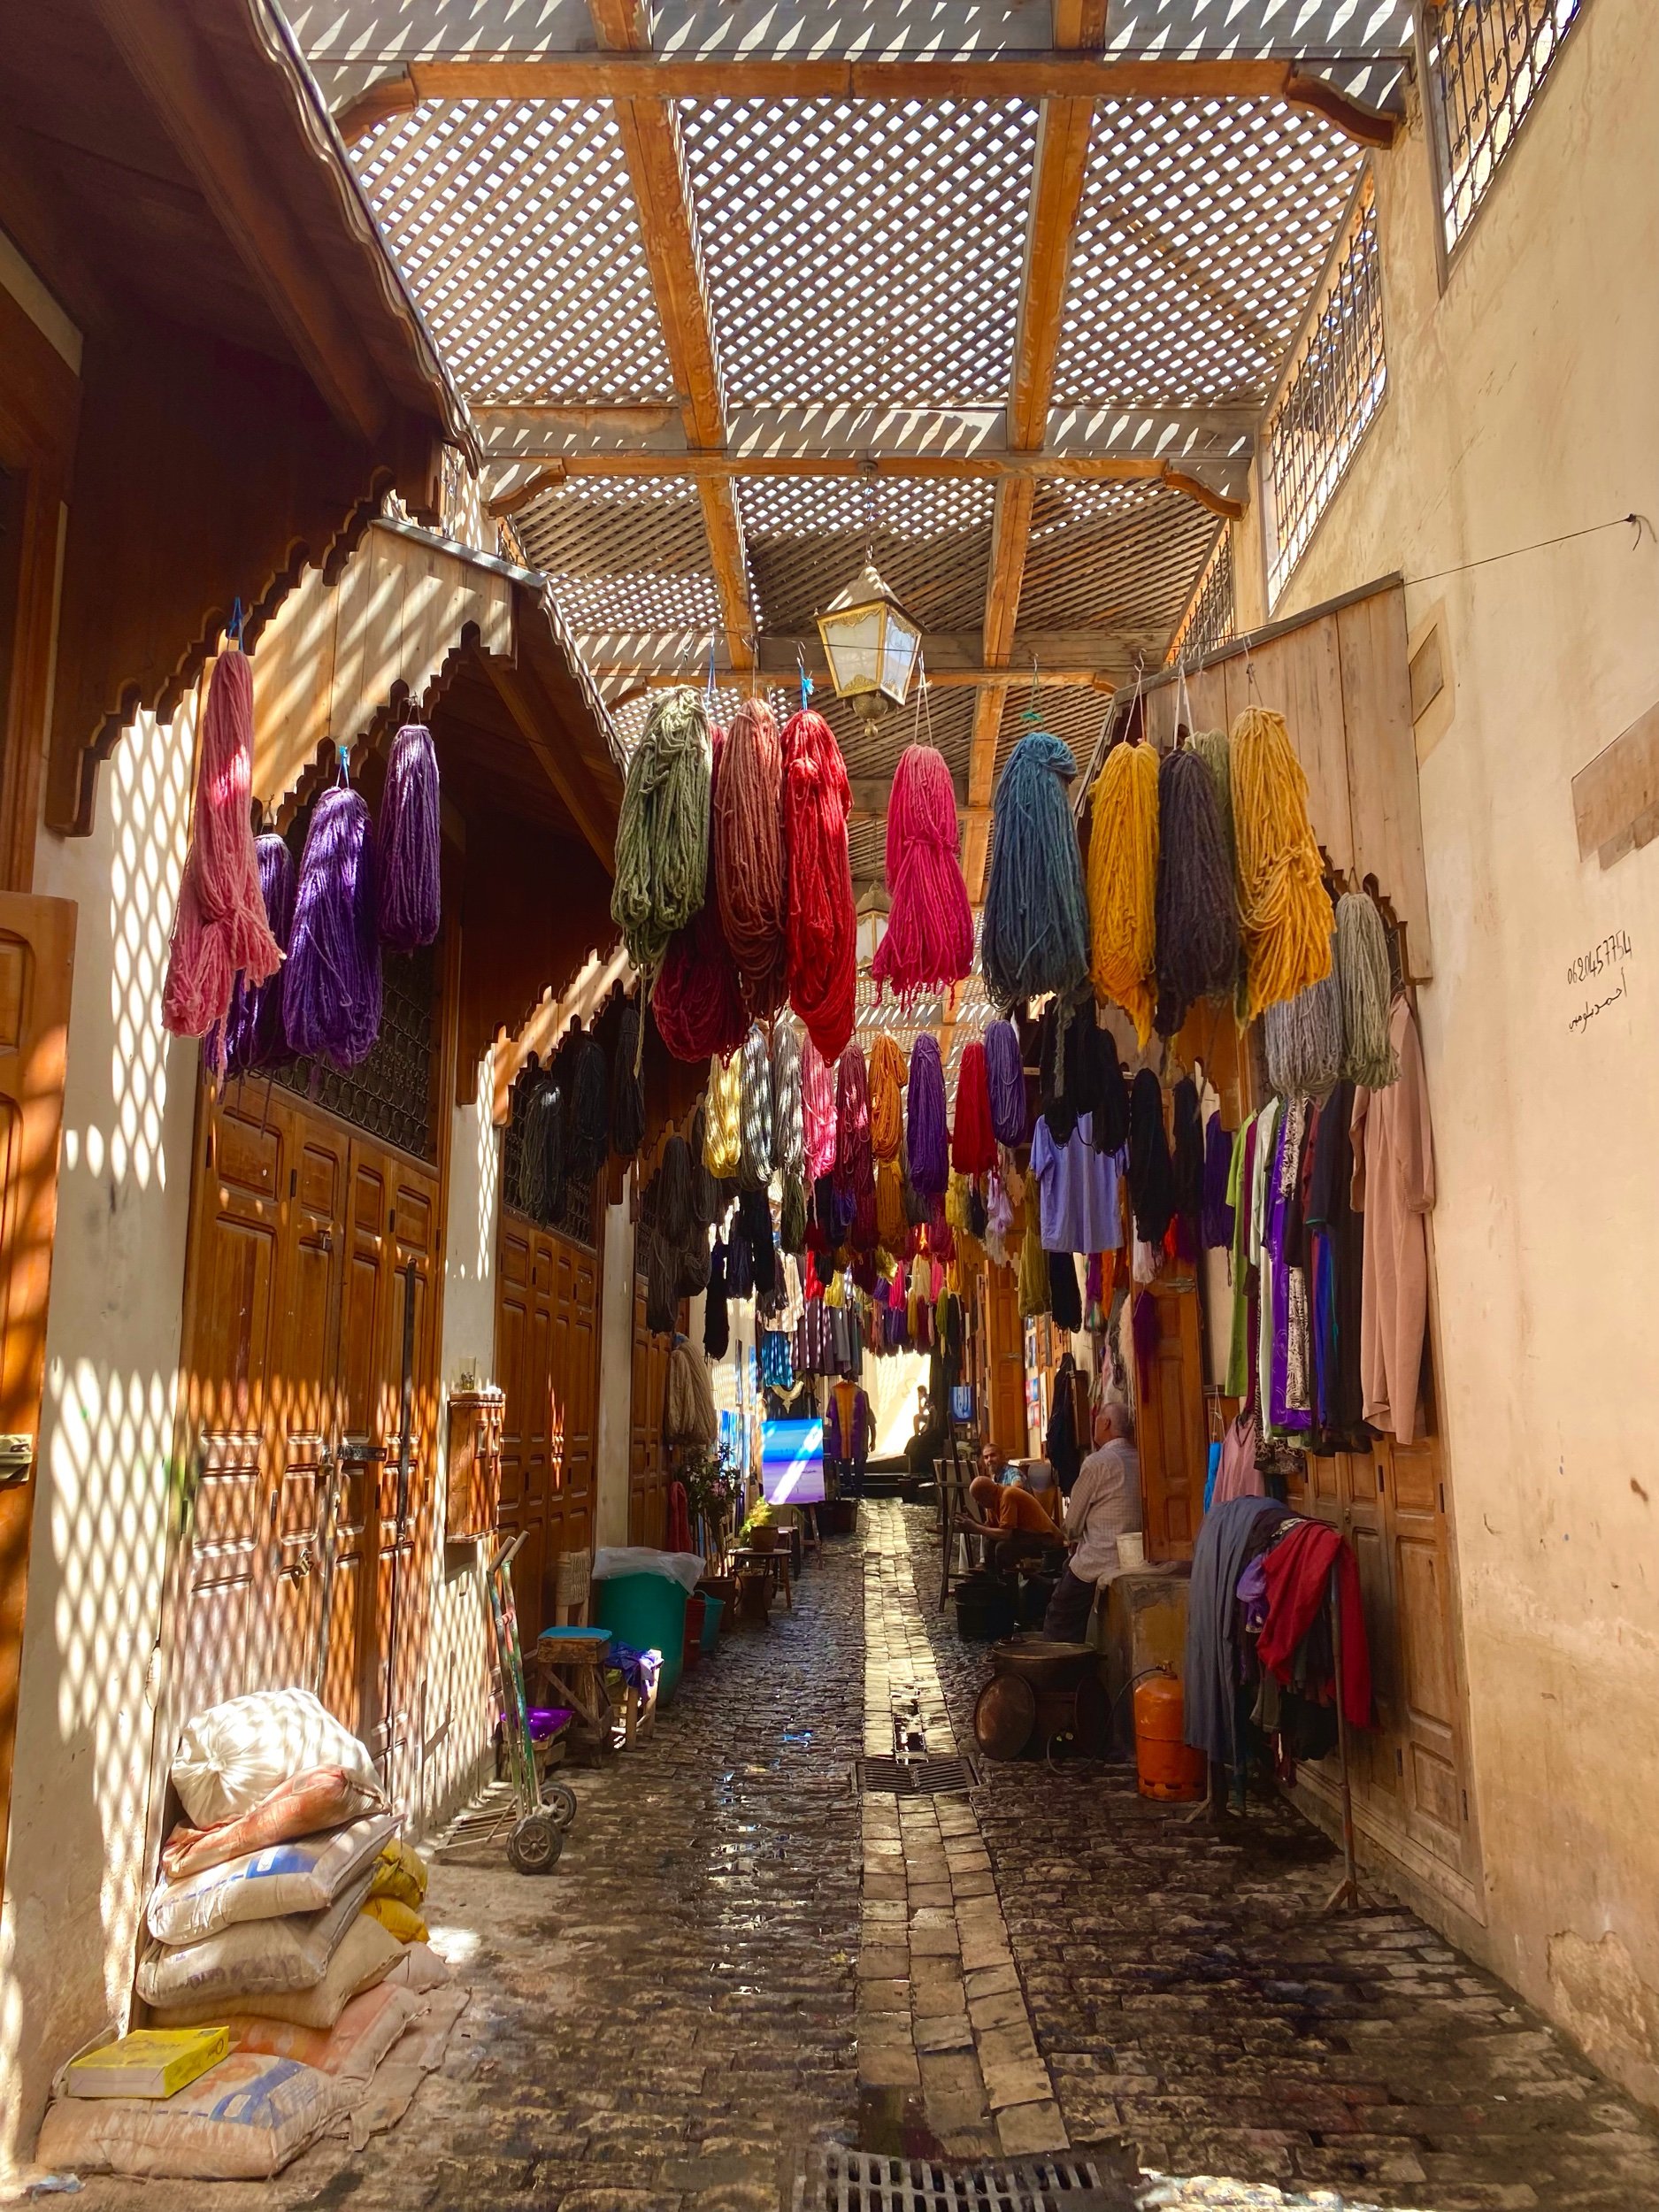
220 931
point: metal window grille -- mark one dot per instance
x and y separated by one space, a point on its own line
575 1216
1487 60
1333 392
1211 619
391 1094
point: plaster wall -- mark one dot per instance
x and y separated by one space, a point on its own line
1520 409
76 1871
616 1372
459 1713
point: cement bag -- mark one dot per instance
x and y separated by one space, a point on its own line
322 1797
367 2029
235 1755
300 1877
367 1955
419 1970
255 1958
243 2120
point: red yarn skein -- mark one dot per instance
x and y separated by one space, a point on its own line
929 940
698 998
822 927
750 859
974 1139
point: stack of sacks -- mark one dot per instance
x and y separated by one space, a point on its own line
275 1899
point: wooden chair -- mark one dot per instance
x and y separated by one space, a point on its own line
573 1587
954 1473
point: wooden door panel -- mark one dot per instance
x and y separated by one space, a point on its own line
305 1408
1171 1440
406 1533
547 1339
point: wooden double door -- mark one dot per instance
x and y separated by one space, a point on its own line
310 1357
547 1362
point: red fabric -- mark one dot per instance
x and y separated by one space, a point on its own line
1298 1572
679 1531
973 1141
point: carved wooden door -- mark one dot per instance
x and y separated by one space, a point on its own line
647 1460
37 947
1172 1438
524 1329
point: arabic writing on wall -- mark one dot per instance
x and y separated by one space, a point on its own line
1602 967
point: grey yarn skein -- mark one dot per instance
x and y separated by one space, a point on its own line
789 1128
1304 1039
1362 971
755 1113
663 828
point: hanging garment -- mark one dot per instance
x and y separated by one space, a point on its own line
1298 1572
776 1361
1394 1179
1077 1190
1211 1675
849 1425
1337 1234
1239 1476
1068 1437
1238 1259
1286 1402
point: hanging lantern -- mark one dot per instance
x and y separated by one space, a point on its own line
872 645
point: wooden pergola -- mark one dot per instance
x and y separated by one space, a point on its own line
739 294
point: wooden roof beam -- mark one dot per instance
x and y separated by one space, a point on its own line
649 132
951 655
1088 468
1052 76
1063 132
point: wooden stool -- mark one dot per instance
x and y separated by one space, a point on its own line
569 1666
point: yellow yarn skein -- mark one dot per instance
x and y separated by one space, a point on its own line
722 1116
1284 911
1123 883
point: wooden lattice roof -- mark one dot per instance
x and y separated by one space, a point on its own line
736 293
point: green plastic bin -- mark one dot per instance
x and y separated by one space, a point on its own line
649 1612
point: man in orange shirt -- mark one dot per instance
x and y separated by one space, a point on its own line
1008 1510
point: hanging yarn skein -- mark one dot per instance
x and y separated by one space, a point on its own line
222 929
754 1150
892 1223
788 1134
590 1111
928 944
855 1170
698 998
1006 1078
662 827
723 1132
1214 748
1303 1040
822 927
253 1035
1122 882
1197 909
331 983
887 1097
627 1092
751 863
409 843
973 1139
818 1111
927 1145
1362 967
1284 912
1033 936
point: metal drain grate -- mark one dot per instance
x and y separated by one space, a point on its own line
917 1778
854 2181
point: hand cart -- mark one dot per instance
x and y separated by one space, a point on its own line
542 1810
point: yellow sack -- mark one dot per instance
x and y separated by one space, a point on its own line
398 1919
400 1872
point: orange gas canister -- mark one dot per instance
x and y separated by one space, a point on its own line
1168 1768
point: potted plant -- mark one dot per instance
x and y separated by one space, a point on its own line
711 1483
760 1530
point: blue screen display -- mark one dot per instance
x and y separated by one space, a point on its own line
792 1461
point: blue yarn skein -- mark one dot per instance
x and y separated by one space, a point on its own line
1034 937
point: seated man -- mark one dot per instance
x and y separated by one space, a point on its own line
1010 1513
1104 1503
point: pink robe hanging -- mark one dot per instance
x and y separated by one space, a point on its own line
1393 1183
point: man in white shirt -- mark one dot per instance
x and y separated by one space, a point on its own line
1104 1503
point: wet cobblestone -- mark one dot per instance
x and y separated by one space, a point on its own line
671 2020
1187 1990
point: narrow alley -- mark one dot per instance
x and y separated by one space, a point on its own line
741 1964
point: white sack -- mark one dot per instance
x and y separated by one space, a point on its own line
235 1755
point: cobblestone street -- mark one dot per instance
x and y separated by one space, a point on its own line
730 1966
